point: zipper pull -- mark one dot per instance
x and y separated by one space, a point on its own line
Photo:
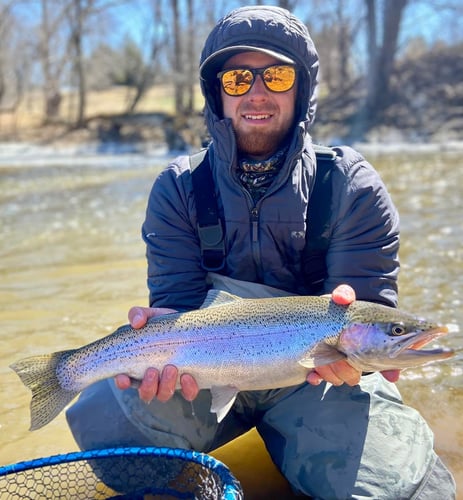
255 223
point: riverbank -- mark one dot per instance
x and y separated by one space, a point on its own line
59 145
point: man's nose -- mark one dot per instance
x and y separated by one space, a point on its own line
258 89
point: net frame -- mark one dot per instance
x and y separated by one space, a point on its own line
191 465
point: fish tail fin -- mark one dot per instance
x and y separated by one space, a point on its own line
38 373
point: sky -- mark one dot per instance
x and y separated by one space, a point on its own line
424 18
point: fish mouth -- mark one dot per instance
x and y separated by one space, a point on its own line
416 340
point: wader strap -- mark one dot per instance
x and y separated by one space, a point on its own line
318 235
210 230
210 226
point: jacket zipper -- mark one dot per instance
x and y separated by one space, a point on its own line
255 246
254 213
255 221
255 224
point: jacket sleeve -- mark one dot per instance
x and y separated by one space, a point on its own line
175 276
365 233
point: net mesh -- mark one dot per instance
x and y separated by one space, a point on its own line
121 473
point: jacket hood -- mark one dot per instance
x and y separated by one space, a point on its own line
268 29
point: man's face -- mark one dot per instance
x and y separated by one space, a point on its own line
261 118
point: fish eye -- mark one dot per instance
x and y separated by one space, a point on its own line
398 329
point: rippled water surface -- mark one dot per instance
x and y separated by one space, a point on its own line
72 262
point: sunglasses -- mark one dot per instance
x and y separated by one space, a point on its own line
238 81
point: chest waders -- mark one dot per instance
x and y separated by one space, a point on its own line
211 230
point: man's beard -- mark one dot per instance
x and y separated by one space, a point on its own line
260 144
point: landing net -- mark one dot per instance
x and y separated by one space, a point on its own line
121 473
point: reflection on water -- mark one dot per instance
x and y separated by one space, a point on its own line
72 262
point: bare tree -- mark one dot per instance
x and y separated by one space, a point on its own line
190 50
177 58
52 62
4 16
77 12
186 29
334 29
145 73
344 45
382 49
13 66
70 32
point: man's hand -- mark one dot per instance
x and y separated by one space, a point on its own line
341 372
155 384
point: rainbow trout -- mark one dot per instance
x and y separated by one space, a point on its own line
233 344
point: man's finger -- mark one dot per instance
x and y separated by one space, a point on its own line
323 374
189 386
167 383
313 378
345 372
122 381
343 295
337 373
391 375
149 385
138 316
327 374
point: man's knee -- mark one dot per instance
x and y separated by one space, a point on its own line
105 417
438 483
97 421
354 443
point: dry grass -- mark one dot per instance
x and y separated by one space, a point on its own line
26 122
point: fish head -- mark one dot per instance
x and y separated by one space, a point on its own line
391 340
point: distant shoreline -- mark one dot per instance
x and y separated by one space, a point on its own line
27 153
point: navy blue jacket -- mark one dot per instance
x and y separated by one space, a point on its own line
264 241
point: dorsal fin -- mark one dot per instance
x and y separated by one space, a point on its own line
218 298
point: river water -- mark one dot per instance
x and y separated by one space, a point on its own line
72 263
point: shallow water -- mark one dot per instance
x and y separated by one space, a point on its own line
72 263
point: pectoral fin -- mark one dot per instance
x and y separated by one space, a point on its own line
223 398
321 354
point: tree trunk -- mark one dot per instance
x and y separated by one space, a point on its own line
78 63
190 73
178 60
381 57
343 46
52 93
393 12
148 71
